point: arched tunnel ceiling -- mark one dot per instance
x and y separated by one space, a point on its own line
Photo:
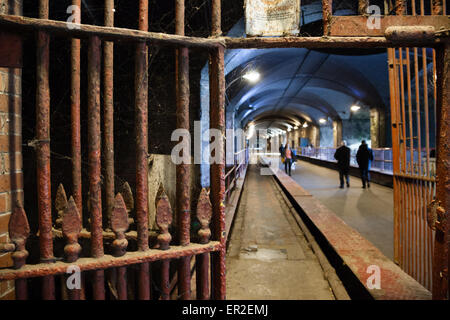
309 83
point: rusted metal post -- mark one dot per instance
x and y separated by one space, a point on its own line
164 220
19 230
362 6
75 98
119 224
71 227
183 170
94 142
165 280
442 241
425 101
437 8
204 213
43 153
395 151
108 138
216 22
141 125
400 7
108 100
217 169
327 12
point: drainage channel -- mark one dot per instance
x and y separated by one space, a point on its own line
271 253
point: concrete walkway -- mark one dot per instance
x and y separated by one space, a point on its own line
268 256
369 211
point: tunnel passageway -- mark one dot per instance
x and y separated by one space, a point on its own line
369 211
268 255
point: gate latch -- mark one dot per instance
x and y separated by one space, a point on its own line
436 216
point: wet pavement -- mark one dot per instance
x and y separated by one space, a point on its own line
268 256
369 211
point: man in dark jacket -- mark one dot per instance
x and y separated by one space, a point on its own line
342 155
281 149
364 156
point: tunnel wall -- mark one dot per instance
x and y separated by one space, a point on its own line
356 130
11 173
326 136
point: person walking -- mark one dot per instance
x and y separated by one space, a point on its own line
364 156
281 149
342 155
288 158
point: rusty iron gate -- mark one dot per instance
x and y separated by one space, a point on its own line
109 250
114 237
414 115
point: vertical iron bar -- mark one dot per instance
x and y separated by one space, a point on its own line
141 123
422 187
217 174
419 133
442 237
94 142
425 98
413 181
422 219
122 283
183 170
108 100
75 116
399 153
217 170
417 238
402 112
21 289
327 12
216 8
165 280
434 92
410 116
43 152
393 100
202 273
428 243
108 122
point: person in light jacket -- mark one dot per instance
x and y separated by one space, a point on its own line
288 158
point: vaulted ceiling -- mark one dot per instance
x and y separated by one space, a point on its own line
298 85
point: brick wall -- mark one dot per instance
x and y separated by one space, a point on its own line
11 181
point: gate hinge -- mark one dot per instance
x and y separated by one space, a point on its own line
436 216
444 274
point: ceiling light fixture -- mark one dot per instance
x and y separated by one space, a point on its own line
252 76
322 120
355 108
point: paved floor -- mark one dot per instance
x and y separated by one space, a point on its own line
369 211
268 256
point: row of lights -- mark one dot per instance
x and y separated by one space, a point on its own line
254 76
